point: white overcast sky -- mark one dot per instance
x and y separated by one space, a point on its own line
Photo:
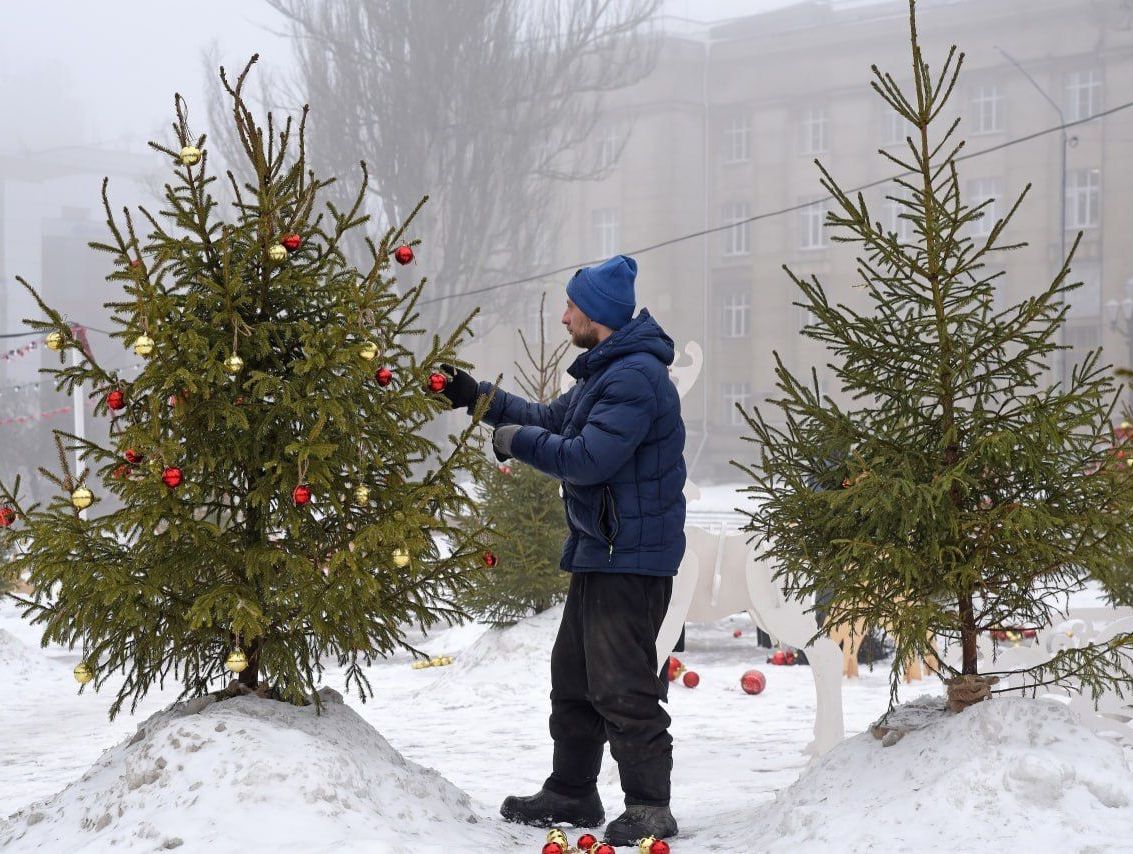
89 73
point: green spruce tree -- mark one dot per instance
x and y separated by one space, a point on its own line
956 492
279 503
524 511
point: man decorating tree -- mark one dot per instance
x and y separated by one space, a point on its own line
616 441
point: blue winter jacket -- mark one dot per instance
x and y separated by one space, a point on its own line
616 441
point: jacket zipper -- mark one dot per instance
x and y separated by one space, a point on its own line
608 502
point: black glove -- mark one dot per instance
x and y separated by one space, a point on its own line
462 387
501 441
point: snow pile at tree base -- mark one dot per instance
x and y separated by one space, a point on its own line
249 774
1008 773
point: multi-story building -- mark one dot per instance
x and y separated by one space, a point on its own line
720 142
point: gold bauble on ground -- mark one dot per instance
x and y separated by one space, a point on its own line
361 494
400 558
143 345
556 835
190 155
233 364
368 351
237 662
645 843
277 252
82 498
83 673
55 340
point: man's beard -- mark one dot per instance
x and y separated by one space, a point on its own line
587 340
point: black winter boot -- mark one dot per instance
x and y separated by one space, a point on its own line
547 807
641 820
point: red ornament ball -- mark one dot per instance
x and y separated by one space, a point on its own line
552 848
659 846
490 560
604 848
586 842
403 254
691 679
7 516
133 457
779 657
675 667
753 682
171 477
301 495
291 242
116 400
384 376
437 381
737 633
134 262
120 471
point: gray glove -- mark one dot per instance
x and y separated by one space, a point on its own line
501 440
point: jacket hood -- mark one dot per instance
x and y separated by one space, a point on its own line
642 334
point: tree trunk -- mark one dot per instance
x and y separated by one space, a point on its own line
250 676
968 636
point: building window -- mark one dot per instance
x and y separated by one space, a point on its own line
1083 94
733 394
895 128
892 221
608 147
987 109
1085 302
737 238
812 231
607 231
812 131
982 190
1083 198
737 139
737 315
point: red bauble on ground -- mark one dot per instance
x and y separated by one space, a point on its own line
384 376
116 400
753 682
737 633
7 516
779 657
301 495
490 560
291 242
133 457
437 381
659 846
172 477
789 655
552 848
586 842
604 848
691 679
675 667
403 254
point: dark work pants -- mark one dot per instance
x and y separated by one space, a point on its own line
606 685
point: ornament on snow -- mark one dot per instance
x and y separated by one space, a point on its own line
301 495
7 516
172 477
400 558
83 673
133 457
237 662
277 252
438 382
553 848
82 498
753 682
556 834
602 848
403 255
116 400
691 679
675 668
291 241
737 633
587 841
361 494
384 376
233 364
490 559
368 351
143 345
190 155
55 340
651 845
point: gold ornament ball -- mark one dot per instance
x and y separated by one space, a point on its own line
556 835
368 351
644 844
419 665
55 340
190 155
83 673
446 659
82 498
233 364
361 494
277 252
237 662
143 345
400 558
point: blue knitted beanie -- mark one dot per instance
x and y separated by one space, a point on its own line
604 292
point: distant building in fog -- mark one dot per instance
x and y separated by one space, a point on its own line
727 128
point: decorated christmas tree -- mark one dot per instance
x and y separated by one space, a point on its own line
956 492
524 511
280 509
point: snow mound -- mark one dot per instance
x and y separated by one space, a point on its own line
249 774
1014 769
17 660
